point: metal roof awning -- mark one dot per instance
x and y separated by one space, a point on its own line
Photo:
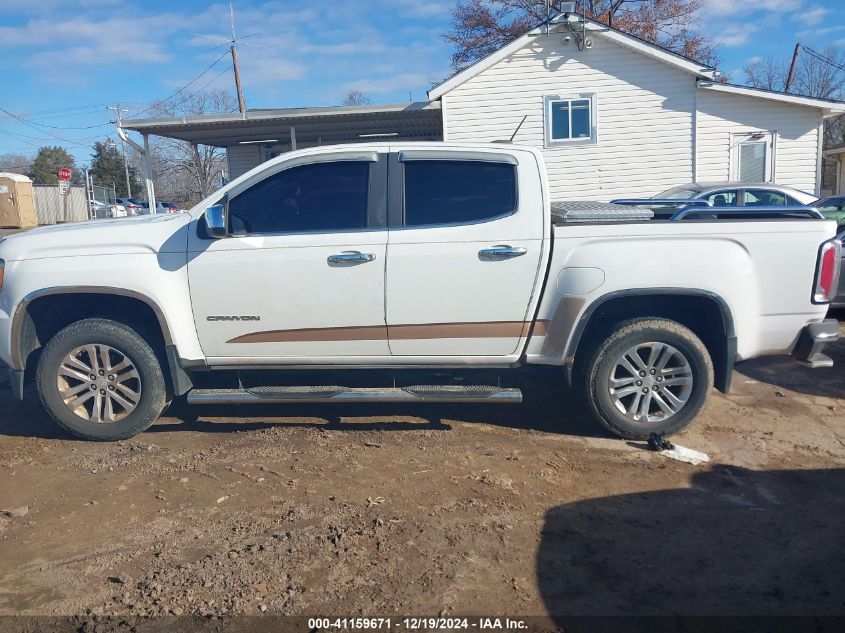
313 126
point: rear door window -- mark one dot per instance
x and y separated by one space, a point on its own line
722 198
458 192
764 198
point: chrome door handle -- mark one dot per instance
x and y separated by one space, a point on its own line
351 257
500 252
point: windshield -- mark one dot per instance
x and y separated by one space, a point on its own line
678 193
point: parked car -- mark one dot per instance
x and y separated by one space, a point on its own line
160 208
289 273
833 208
107 210
133 207
734 194
170 207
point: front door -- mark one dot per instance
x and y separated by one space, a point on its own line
752 157
300 278
464 253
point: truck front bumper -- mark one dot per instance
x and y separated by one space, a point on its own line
812 340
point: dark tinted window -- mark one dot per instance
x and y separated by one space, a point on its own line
722 198
318 197
444 192
764 198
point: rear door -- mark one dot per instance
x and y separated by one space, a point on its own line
465 250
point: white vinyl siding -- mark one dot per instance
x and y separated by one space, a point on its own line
642 110
722 117
242 158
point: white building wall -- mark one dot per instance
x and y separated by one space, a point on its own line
242 158
796 130
643 115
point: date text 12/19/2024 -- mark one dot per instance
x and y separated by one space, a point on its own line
417 623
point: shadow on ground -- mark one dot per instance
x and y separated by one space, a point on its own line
783 371
548 406
738 542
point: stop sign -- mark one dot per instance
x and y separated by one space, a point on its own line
64 173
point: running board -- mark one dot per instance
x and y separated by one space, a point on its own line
323 394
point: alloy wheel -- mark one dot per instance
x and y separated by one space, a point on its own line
650 382
99 383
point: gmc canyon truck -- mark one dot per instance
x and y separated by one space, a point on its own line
406 272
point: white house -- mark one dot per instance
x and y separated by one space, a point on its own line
615 115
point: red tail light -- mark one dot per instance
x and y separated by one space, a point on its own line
827 272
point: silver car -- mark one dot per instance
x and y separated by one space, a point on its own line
107 210
734 194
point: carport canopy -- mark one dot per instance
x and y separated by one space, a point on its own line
292 128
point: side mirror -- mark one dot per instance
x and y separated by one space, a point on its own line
216 221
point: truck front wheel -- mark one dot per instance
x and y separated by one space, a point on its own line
101 380
649 376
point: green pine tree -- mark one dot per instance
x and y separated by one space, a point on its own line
44 169
107 167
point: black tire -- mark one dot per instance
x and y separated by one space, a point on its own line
129 343
598 372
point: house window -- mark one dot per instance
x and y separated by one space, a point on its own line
570 120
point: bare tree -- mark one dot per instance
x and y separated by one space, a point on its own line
355 98
480 27
185 171
818 74
821 74
15 163
767 73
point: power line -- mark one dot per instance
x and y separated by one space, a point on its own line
194 94
39 141
52 127
32 125
823 58
194 80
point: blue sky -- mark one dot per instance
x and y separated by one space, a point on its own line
63 62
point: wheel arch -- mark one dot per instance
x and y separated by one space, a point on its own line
706 313
26 339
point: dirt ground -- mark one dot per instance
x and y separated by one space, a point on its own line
528 509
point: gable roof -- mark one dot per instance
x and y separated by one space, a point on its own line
706 75
556 23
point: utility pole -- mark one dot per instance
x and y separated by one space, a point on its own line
118 113
234 50
794 63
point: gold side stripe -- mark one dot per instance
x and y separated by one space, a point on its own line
489 329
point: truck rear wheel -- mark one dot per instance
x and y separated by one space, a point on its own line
101 380
649 376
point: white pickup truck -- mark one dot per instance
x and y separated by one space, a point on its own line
439 269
